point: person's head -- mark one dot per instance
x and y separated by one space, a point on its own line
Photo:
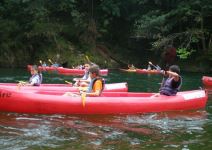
94 71
87 66
175 68
34 69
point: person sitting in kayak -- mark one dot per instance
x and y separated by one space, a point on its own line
35 79
85 80
172 81
131 67
55 65
96 85
44 64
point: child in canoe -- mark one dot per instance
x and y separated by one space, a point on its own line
95 86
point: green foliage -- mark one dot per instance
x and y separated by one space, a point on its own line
42 28
178 23
184 53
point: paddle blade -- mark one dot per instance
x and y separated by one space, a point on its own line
50 61
68 82
150 63
87 58
22 82
83 96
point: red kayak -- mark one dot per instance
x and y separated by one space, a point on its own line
12 100
113 87
128 70
67 71
207 81
145 71
42 68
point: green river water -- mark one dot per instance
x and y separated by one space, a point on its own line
186 130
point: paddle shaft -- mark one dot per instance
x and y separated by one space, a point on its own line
51 61
154 66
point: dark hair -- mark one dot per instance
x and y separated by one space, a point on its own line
94 69
175 68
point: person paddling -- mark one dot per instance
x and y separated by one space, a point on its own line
172 81
96 85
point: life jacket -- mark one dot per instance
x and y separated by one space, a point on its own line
167 89
91 85
39 79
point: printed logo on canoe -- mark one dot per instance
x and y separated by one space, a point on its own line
5 94
194 95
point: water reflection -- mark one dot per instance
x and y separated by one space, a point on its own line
20 131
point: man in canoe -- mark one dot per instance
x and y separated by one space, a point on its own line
96 85
171 82
85 80
35 79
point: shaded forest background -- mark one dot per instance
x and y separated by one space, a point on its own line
112 33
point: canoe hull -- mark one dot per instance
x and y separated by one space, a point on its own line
108 103
67 71
128 70
113 87
145 71
207 81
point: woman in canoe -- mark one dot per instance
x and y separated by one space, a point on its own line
171 82
35 79
96 85
85 80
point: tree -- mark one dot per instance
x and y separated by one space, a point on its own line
181 23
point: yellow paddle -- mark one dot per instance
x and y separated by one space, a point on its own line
21 83
68 82
41 62
87 58
153 65
83 96
50 61
89 61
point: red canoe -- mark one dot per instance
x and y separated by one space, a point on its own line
12 100
41 68
145 71
207 81
128 70
67 71
113 87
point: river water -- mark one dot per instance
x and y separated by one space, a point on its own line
186 130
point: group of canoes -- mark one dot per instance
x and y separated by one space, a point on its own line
115 99
66 71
